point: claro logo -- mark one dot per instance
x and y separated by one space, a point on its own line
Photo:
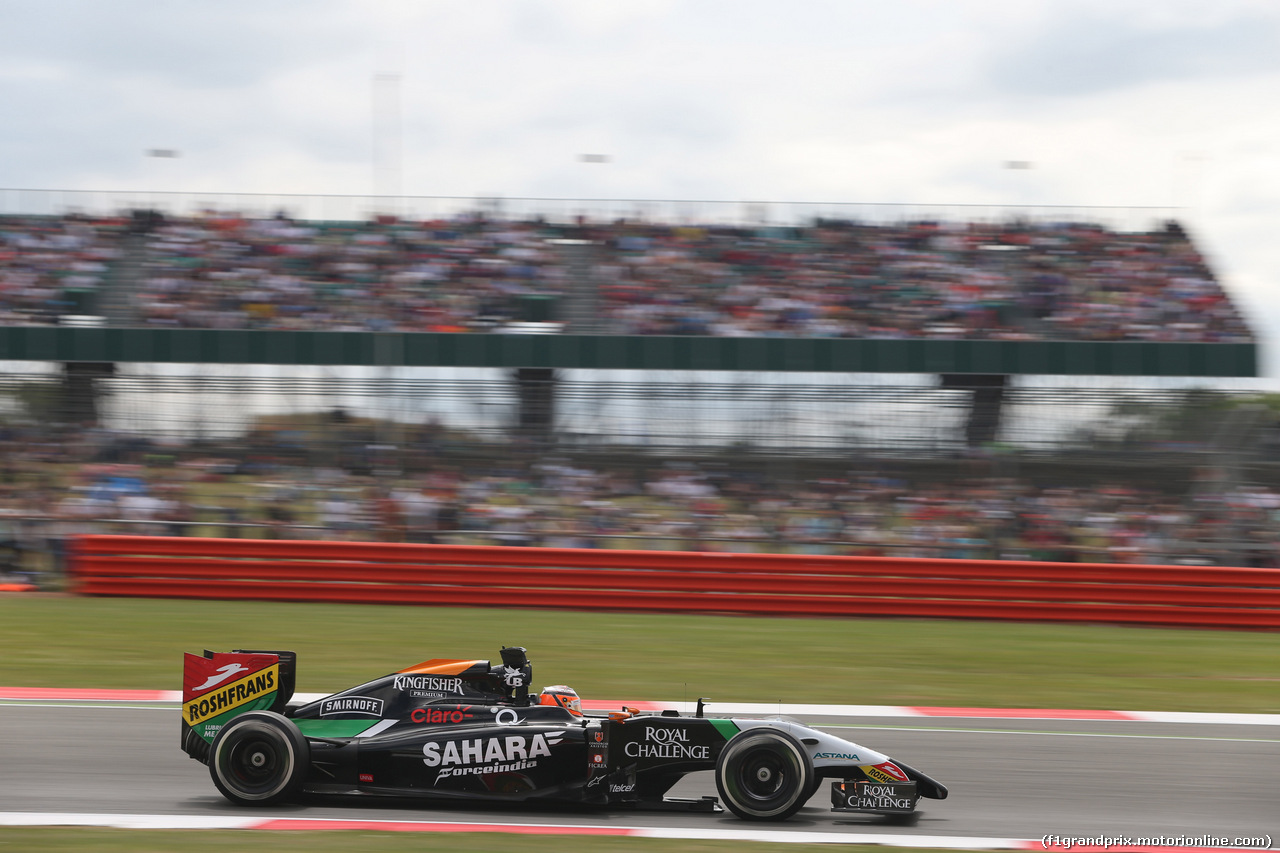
488 755
441 715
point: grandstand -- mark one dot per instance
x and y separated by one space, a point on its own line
868 380
924 279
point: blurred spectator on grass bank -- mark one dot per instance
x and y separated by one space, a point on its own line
50 491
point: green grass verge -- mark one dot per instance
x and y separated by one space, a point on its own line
137 643
200 841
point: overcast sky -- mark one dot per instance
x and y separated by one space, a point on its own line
1168 103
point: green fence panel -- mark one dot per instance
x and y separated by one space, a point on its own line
238 346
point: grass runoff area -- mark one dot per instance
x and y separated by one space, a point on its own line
64 641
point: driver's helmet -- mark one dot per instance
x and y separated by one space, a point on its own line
565 697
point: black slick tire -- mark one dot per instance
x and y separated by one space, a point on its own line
259 758
764 774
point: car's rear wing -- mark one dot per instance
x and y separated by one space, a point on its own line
219 686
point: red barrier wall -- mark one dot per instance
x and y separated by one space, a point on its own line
674 581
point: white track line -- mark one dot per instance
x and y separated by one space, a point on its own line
39 697
126 821
143 821
781 836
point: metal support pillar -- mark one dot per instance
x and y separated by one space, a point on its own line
81 389
536 393
985 407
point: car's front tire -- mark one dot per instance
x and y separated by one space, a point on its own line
259 758
764 774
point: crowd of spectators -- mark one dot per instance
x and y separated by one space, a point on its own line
1048 281
51 268
54 485
233 272
1010 281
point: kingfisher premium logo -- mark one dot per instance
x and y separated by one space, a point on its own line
427 685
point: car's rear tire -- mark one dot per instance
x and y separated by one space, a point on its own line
764 774
259 758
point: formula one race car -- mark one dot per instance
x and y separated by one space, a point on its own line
465 729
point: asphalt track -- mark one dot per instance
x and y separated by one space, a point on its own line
1008 778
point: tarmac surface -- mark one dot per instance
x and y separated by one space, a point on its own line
1011 778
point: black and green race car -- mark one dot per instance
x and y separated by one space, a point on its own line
471 730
